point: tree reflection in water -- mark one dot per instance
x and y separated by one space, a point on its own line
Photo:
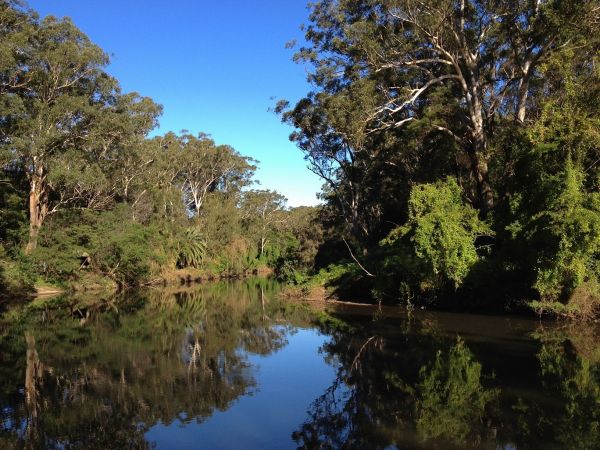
99 373
570 367
419 387
101 376
451 402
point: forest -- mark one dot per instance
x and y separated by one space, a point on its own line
89 200
458 143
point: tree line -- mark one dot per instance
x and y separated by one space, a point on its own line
83 180
458 143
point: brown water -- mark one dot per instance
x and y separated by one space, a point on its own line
229 365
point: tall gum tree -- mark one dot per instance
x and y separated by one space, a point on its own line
484 52
208 167
61 109
59 79
262 214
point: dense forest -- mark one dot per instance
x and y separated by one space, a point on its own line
89 199
458 143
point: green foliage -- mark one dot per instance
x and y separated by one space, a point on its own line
556 209
572 223
204 167
191 248
17 276
75 154
13 214
263 215
394 127
442 230
130 255
334 273
582 304
301 241
451 396
436 145
119 248
567 142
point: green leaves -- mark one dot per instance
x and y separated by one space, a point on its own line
63 120
191 248
442 230
571 225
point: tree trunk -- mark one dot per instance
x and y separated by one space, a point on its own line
263 241
485 195
479 163
478 150
38 207
523 92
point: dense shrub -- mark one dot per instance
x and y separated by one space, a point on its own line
438 240
191 248
119 248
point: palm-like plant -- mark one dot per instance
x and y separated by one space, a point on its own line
191 248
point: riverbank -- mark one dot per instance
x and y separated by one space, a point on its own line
341 283
97 283
348 283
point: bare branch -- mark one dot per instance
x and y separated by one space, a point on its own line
356 260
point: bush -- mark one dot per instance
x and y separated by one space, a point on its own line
16 277
191 248
556 233
438 240
572 223
583 304
131 255
126 251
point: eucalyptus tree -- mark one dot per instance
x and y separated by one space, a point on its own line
17 25
263 214
499 95
207 167
61 79
109 163
61 110
160 177
118 140
386 68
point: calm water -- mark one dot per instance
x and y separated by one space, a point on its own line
230 366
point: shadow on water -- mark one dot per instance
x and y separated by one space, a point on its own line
442 380
101 372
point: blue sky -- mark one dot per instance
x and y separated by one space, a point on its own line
215 66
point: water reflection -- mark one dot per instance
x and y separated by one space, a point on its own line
570 367
103 373
421 386
451 401
98 376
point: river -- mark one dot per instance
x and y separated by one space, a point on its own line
231 365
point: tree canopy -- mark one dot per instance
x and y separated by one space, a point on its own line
82 175
499 96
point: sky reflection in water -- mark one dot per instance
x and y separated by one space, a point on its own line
229 365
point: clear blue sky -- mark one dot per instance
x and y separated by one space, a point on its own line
214 66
